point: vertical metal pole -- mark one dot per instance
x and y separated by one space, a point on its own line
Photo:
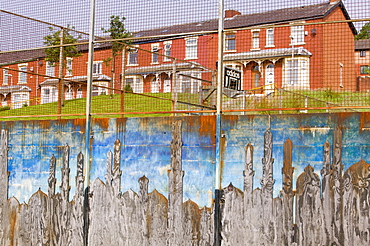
123 82
88 93
61 65
220 75
174 87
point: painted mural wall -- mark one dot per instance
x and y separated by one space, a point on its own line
145 149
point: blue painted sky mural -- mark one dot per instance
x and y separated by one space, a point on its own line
145 149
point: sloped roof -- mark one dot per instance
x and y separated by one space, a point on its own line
362 44
310 12
29 55
14 88
20 56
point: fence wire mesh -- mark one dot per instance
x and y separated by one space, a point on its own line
160 57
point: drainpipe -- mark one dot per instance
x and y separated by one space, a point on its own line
220 70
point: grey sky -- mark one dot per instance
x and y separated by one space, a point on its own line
140 14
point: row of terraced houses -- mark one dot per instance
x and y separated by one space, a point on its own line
285 48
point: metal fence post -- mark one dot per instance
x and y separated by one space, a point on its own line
220 70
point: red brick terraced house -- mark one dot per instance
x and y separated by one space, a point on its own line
285 48
302 56
18 88
362 61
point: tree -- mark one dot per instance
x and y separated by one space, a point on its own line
53 39
364 32
117 30
56 55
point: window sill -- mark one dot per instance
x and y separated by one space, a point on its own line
297 44
229 50
132 65
270 46
191 58
255 49
154 63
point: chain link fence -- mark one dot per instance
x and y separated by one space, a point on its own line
159 58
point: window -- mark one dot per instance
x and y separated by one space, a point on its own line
256 39
97 67
256 76
230 42
191 48
155 56
297 35
133 56
365 70
362 53
69 66
20 100
69 93
135 83
79 93
96 91
50 68
167 50
296 73
188 83
49 94
270 37
154 85
6 77
22 77
167 84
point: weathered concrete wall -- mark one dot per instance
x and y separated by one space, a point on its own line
146 151
331 210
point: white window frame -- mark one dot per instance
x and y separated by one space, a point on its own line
50 69
22 77
52 96
167 45
97 91
133 56
25 97
270 42
191 48
6 76
68 95
302 80
255 39
230 38
79 92
69 66
297 34
155 54
193 84
97 67
137 84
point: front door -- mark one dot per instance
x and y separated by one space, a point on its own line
167 85
270 79
155 86
256 77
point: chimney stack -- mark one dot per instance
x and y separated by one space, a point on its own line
231 13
